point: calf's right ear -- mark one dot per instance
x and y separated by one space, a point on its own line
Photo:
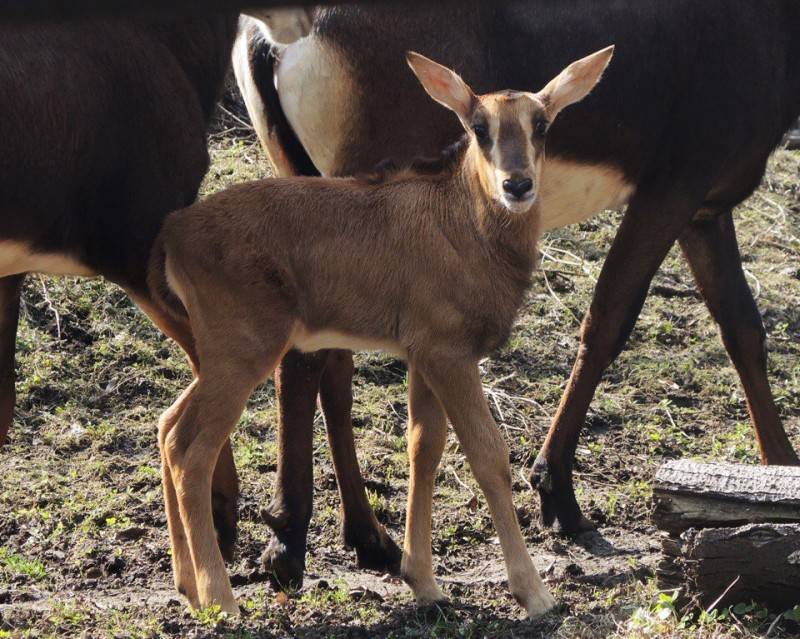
443 85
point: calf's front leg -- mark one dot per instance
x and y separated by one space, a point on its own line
427 434
457 384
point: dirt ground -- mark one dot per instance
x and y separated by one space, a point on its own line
83 542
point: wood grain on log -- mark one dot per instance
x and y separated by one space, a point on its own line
693 495
759 562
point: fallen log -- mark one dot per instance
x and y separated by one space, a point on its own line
725 566
692 495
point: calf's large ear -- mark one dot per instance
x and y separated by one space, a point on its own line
443 85
576 81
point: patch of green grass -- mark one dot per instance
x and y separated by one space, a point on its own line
14 566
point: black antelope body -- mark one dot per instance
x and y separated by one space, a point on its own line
679 131
103 129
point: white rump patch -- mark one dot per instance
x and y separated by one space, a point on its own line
572 192
316 95
18 257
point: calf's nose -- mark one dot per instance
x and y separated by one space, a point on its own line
518 187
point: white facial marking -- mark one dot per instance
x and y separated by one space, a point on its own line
316 95
18 257
571 192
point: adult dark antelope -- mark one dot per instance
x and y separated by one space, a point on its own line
449 247
103 129
681 128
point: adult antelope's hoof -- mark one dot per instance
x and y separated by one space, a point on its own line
285 568
375 549
560 509
224 510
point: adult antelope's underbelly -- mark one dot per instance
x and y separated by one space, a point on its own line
19 257
317 97
310 341
572 192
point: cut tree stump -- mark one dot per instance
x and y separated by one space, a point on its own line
733 533
692 495
759 562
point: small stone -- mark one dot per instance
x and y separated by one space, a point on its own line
116 566
364 594
131 534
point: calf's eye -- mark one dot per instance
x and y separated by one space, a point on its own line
481 132
540 128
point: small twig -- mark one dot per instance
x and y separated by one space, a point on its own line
749 274
246 125
51 306
558 299
460 483
718 599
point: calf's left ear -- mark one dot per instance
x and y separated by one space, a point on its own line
576 81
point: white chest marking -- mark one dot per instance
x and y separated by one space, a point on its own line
316 95
18 257
573 192
308 342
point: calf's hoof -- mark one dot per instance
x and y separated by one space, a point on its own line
284 567
560 509
375 549
537 604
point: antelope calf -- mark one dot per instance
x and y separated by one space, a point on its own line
430 263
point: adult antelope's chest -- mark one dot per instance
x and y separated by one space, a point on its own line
318 96
19 257
572 192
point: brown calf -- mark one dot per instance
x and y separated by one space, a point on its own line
265 267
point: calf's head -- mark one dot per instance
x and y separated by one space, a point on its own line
508 128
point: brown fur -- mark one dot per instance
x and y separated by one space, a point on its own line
431 266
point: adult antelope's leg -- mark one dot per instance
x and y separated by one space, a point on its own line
225 490
374 548
457 384
711 249
651 225
427 435
297 382
9 318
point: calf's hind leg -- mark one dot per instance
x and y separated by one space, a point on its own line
182 568
226 380
225 491
9 318
711 249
